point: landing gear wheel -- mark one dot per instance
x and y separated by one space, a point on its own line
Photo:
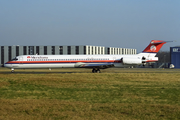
96 71
12 70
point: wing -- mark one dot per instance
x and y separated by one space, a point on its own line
94 65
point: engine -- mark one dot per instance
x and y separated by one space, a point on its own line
132 61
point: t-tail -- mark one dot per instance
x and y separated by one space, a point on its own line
151 50
154 46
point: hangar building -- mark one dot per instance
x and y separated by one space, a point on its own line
9 52
175 56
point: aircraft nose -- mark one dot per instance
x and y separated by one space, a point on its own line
5 65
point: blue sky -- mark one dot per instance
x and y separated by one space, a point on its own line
115 23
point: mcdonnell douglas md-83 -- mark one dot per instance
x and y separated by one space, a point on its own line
95 62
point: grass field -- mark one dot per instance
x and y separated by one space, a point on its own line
79 94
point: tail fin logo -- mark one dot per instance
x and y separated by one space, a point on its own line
153 48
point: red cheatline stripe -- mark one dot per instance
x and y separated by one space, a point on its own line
151 60
93 61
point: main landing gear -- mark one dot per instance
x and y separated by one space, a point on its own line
96 70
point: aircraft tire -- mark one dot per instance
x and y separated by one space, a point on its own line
96 71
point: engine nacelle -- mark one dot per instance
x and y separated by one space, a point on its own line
132 61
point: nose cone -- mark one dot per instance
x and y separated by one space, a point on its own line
6 65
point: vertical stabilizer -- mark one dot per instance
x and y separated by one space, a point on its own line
152 49
154 46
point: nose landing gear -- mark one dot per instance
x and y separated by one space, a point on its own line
12 70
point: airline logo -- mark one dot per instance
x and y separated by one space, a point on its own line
33 57
153 48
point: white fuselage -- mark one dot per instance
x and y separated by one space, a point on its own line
71 61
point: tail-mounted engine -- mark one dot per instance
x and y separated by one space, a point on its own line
133 61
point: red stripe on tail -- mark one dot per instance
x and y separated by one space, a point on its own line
154 46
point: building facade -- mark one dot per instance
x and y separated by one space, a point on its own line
9 52
175 56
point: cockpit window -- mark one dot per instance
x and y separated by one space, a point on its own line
14 59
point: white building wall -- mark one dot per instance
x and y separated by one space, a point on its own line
135 51
41 50
5 53
20 50
81 50
87 50
116 51
93 50
132 51
73 50
129 51
125 52
102 50
65 50
27 50
99 50
34 50
96 50
13 51
56 50
120 51
49 50
111 50
106 50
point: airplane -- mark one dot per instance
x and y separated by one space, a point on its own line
95 62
